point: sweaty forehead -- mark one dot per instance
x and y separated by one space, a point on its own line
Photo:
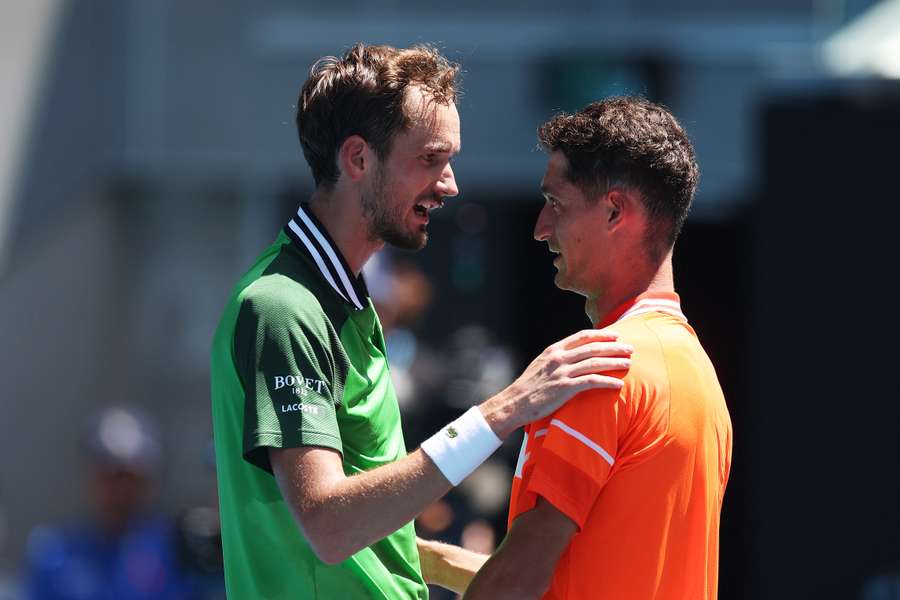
434 126
418 102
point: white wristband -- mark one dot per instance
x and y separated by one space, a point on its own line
460 447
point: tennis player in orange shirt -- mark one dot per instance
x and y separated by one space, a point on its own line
617 495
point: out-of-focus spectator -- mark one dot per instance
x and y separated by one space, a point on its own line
199 542
123 550
402 295
884 585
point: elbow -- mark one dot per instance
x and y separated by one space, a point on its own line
328 545
329 552
330 556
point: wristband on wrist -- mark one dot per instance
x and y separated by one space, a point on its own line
461 446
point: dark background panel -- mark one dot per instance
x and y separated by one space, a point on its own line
824 304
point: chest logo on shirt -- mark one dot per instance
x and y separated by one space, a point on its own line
299 385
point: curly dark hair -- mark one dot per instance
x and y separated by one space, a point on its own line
362 93
632 143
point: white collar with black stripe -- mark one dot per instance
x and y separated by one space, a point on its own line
308 233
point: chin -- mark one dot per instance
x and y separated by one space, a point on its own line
562 283
421 242
407 240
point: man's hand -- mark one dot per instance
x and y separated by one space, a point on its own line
564 369
448 566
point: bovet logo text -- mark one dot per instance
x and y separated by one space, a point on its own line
298 384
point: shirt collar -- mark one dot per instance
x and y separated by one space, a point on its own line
310 237
664 302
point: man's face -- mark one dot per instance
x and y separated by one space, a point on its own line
416 176
570 223
118 493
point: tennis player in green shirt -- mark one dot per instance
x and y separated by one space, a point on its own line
317 490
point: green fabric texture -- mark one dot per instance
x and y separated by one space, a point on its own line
294 364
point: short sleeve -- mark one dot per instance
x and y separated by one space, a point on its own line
292 389
573 455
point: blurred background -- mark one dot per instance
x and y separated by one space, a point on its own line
148 153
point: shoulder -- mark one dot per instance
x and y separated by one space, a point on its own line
278 292
280 300
593 414
646 383
650 335
647 394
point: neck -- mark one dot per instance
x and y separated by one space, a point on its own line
341 215
656 279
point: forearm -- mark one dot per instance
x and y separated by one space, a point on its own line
499 411
345 514
504 580
449 566
524 564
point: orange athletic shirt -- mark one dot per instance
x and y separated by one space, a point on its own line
641 471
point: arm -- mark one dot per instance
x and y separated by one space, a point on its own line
449 566
341 515
523 566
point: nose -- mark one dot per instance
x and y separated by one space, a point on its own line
543 226
447 182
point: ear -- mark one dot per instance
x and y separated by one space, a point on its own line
354 157
617 208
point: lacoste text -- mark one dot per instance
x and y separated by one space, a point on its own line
298 407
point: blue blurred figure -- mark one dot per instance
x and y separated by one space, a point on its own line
124 551
883 586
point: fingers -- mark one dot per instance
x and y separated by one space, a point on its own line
599 365
586 335
593 349
595 382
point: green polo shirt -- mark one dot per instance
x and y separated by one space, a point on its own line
299 360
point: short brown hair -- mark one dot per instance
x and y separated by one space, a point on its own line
630 142
362 93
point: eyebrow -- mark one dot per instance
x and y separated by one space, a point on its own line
438 147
